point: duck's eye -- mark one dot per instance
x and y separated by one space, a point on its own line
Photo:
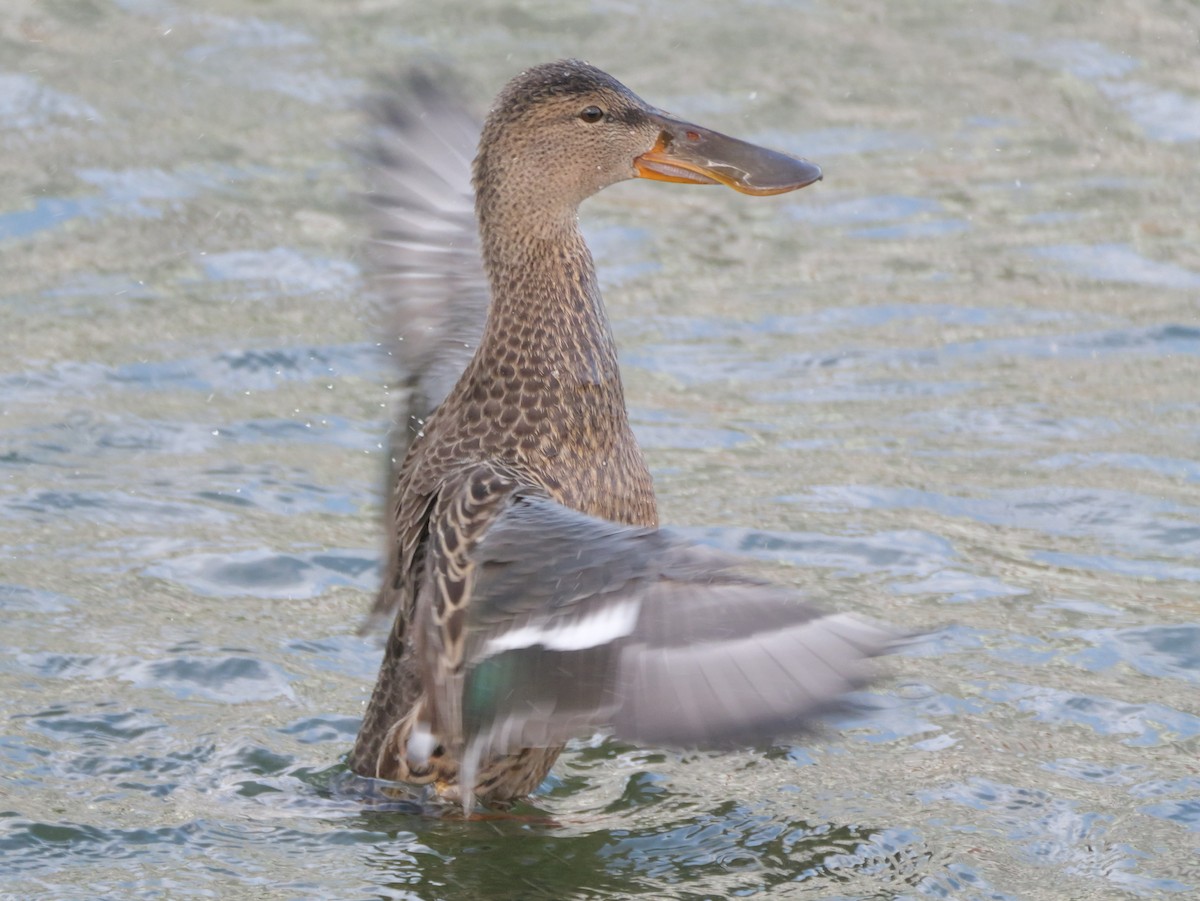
591 114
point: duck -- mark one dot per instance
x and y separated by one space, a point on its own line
529 593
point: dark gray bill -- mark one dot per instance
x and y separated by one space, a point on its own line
693 155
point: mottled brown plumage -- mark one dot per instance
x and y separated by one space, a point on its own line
543 392
533 596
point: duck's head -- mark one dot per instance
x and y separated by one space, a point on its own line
560 132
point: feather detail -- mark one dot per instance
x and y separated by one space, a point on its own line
424 257
532 596
424 267
611 627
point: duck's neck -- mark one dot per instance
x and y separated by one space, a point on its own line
546 324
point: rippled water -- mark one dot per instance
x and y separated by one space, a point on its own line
955 386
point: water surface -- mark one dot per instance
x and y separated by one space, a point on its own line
955 386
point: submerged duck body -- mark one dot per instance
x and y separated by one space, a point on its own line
533 596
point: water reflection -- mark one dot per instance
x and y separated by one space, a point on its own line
953 388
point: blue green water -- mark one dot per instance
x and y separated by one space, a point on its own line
955 386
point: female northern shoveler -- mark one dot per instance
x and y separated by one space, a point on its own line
535 599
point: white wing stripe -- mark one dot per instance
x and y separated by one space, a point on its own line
607 624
